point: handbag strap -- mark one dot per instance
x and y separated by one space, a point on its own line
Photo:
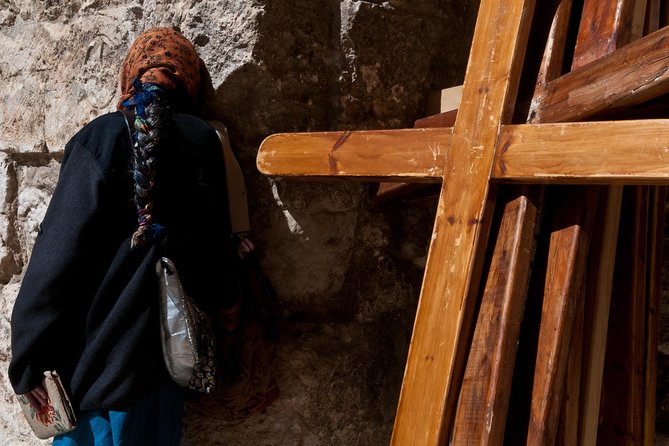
237 201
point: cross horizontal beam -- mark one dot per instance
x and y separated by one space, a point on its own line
391 155
618 152
611 152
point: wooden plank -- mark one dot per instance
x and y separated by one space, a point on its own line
443 107
567 433
627 25
629 76
484 399
655 250
551 64
396 155
436 356
597 313
606 25
564 281
387 191
485 395
621 411
652 22
444 100
622 152
664 13
445 119
654 281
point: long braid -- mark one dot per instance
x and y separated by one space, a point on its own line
151 115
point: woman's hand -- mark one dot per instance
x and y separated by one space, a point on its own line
38 398
245 247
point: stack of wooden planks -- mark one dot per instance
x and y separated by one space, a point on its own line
597 262
537 322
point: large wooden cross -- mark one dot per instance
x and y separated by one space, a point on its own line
484 148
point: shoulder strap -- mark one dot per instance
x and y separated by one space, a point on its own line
239 209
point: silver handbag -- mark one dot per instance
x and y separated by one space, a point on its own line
187 339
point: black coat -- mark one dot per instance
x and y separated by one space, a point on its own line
87 307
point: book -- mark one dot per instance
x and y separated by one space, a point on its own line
57 417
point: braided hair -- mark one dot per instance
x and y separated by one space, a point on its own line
151 116
160 62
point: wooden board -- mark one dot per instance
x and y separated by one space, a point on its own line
435 360
621 410
629 76
484 398
622 152
485 394
655 251
597 307
564 281
436 356
398 155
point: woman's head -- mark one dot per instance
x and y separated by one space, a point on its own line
163 57
161 72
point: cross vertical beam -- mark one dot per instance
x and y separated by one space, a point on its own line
436 356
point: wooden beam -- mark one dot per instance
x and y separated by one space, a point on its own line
622 152
395 155
562 293
486 387
599 287
622 405
444 100
629 76
567 433
617 152
436 356
606 25
483 406
655 248
551 63
652 22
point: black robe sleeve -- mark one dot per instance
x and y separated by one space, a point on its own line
46 320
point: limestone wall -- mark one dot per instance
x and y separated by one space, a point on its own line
347 271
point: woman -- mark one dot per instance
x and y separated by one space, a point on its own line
87 307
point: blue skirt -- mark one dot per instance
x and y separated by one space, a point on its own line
154 420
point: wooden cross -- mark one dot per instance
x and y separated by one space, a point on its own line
485 148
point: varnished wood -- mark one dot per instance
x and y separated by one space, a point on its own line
629 76
387 191
485 394
624 152
484 398
624 26
607 25
597 312
652 22
621 409
435 359
567 434
444 119
415 154
551 63
655 250
454 262
564 281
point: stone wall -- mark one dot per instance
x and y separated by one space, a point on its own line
347 271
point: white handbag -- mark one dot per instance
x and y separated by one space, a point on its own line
187 338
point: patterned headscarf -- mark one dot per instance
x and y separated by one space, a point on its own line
164 57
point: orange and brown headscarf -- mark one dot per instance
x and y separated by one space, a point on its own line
164 57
